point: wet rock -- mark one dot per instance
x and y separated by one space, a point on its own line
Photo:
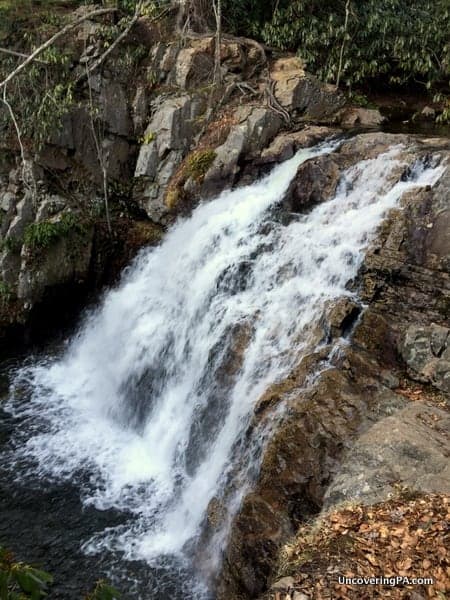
339 317
316 180
348 433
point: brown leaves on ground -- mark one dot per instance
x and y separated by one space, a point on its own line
401 537
423 393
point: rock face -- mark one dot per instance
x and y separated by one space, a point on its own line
358 431
426 351
302 94
410 447
161 136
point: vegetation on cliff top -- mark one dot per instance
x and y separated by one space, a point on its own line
373 41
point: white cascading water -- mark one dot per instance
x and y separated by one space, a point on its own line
143 400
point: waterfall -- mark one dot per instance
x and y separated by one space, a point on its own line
151 399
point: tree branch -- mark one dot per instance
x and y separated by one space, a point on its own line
52 40
20 55
25 177
125 32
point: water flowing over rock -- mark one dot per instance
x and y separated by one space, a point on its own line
224 390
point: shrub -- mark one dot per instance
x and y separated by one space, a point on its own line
46 233
386 41
20 581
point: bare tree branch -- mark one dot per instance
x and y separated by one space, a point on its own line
217 7
52 40
20 55
25 173
123 35
341 54
99 155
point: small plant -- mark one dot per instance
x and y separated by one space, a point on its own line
444 116
361 100
152 78
11 244
20 582
44 234
103 591
148 138
5 298
198 163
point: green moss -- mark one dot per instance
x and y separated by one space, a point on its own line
198 163
148 138
173 198
45 234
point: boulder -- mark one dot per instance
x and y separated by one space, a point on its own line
316 180
360 117
286 144
302 94
407 449
426 351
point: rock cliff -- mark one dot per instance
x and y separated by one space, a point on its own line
373 414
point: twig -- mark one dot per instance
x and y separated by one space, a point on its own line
341 54
125 32
20 55
52 40
22 149
99 155
217 7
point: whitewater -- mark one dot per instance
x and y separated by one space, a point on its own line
142 411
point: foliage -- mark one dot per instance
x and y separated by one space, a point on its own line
103 591
248 16
198 163
444 117
19 581
12 244
41 94
391 41
46 233
5 297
